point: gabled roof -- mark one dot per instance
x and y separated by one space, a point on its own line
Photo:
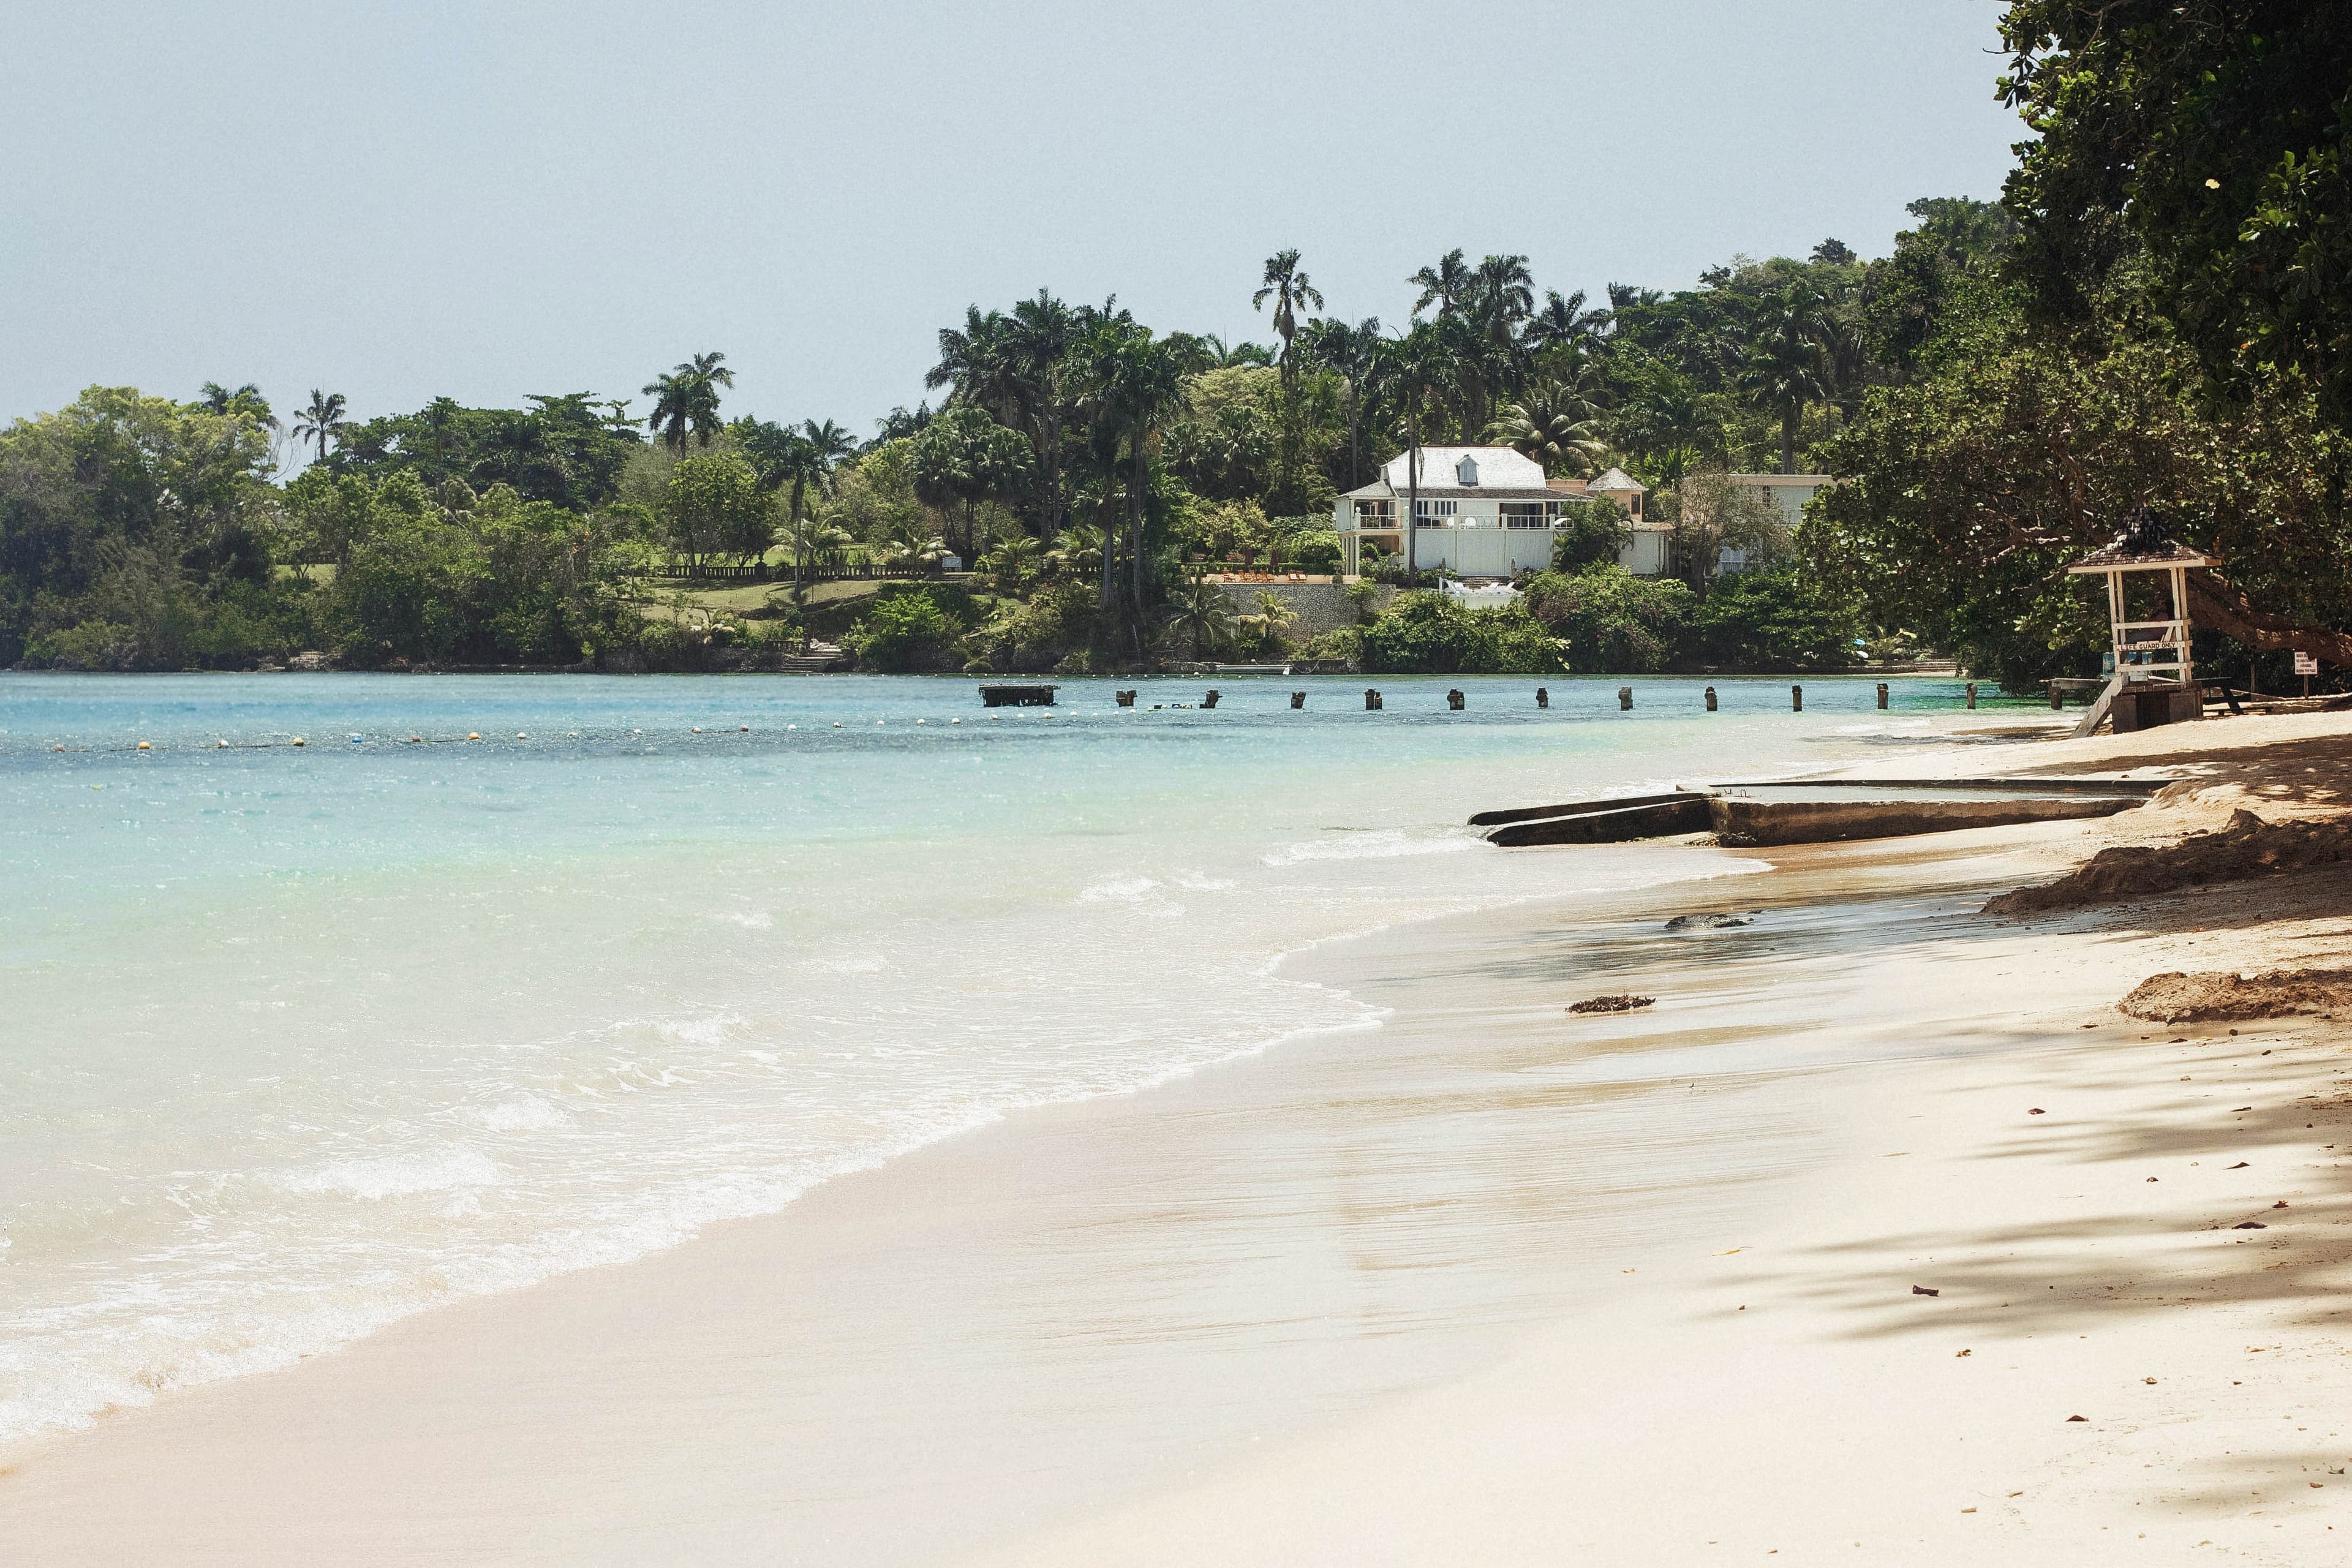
1620 481
1499 468
2141 545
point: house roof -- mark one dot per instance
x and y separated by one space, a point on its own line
1617 480
1499 470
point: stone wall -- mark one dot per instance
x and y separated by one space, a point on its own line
1320 606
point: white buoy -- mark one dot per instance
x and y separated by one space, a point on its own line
473 734
837 723
145 747
742 728
791 726
520 736
698 729
217 745
299 741
955 721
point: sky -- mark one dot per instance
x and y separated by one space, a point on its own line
398 201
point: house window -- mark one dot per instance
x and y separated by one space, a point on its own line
1435 514
1637 504
1466 470
1376 514
1528 513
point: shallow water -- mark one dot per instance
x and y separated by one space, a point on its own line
299 1040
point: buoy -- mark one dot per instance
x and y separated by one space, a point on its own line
922 720
520 736
217 745
473 734
299 741
698 729
742 728
61 748
955 721
791 726
145 747
837 723
877 724
355 740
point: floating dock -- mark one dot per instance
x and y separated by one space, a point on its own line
1025 694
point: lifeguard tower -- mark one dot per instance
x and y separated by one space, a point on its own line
2154 679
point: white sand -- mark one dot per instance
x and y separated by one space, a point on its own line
1465 1289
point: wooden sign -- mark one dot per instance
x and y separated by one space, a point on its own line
2306 663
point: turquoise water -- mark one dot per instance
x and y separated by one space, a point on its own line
298 1040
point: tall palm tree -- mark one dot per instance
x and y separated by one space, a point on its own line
1446 285
1353 355
1137 383
1200 613
705 374
1422 365
806 460
1286 285
322 421
1787 364
673 410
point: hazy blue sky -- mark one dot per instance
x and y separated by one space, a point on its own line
396 201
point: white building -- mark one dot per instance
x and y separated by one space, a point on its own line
1483 511
1790 492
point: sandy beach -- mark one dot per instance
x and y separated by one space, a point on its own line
1817 1258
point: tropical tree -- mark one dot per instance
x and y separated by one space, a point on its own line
322 421
1353 355
1446 285
1789 364
1422 364
1077 554
1288 286
1136 382
246 400
1200 616
1554 425
798 462
964 457
685 400
1267 622
673 410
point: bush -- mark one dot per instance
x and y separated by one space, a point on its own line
1431 634
1589 534
906 633
1613 622
1777 620
1036 637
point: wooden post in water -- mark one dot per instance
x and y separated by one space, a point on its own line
1299 700
1124 698
1624 699
1454 700
1371 701
1543 697
1210 699
1710 698
1796 700
1882 697
1972 696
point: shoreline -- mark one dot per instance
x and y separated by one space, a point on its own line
490 1422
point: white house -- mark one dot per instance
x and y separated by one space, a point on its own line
1483 511
1790 492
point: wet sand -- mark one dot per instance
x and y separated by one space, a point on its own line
1467 1286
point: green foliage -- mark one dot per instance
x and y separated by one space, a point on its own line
914 628
1589 532
1434 633
714 505
567 449
1610 622
1780 620
2212 140
1038 636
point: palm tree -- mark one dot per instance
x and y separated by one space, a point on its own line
813 542
321 422
1554 425
246 399
1788 363
1200 614
806 460
1422 364
1011 563
1444 285
705 374
1137 383
1289 287
1273 617
673 410
1077 552
1353 355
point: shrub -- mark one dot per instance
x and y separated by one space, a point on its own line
1589 534
1613 622
904 633
1431 634
1777 620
